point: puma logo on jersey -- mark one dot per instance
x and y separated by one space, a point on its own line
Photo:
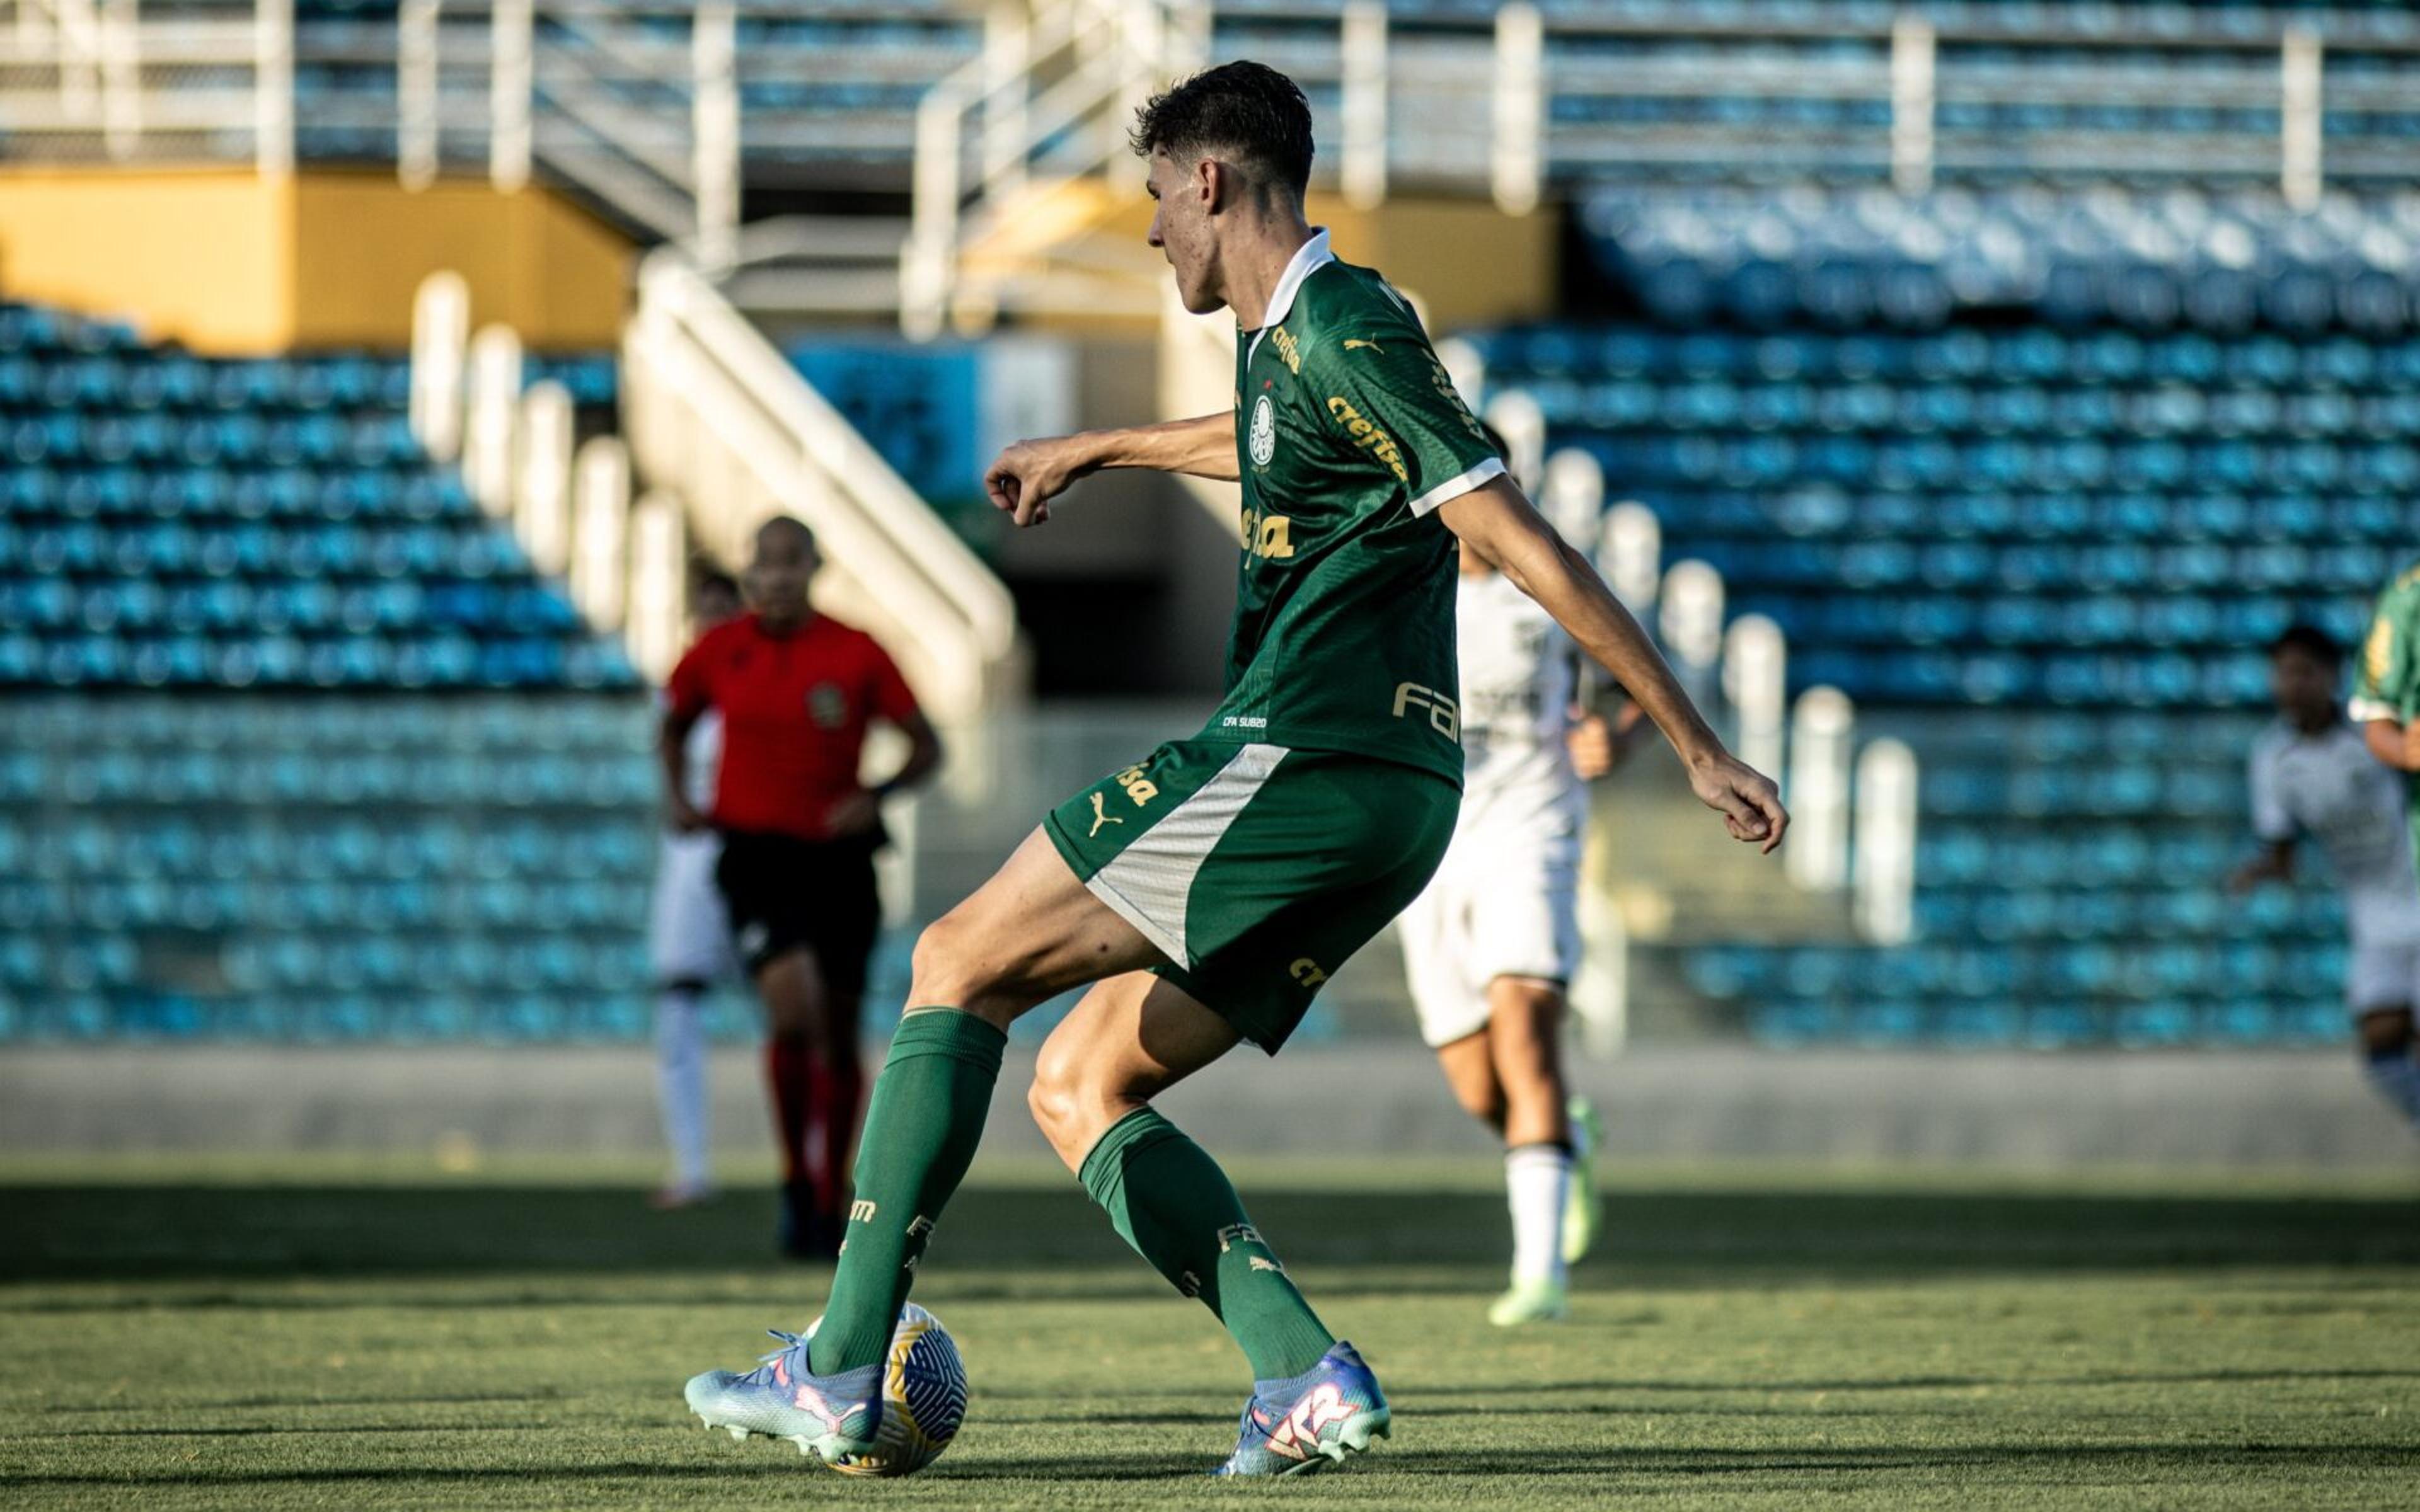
1352 342
1101 815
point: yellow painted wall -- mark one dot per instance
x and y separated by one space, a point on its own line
1467 262
228 262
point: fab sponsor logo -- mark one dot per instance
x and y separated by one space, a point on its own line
1445 716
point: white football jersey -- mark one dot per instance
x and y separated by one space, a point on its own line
2328 787
1518 671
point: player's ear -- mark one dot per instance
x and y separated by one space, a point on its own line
1215 183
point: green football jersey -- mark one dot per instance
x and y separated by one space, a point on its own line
1348 436
2388 684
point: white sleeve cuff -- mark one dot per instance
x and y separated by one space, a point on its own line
2364 711
1454 487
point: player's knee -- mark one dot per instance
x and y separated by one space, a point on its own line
1531 1003
1056 1101
943 965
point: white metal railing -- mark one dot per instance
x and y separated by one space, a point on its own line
638 102
1049 101
716 415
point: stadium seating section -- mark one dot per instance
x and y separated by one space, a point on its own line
834 84
2062 501
373 836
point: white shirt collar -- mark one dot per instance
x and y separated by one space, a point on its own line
1307 259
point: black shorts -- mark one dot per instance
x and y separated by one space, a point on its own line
785 893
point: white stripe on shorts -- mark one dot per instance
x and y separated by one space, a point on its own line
1148 883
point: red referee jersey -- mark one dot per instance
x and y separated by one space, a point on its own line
794 708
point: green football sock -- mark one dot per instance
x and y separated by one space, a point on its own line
921 1133
1174 1206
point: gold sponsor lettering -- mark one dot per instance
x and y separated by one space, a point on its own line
1291 353
1268 536
1369 437
2379 653
1138 787
860 1212
1307 972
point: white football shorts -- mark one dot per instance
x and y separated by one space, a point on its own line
2382 973
689 929
1498 908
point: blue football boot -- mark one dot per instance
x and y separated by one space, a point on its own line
1294 1426
826 1416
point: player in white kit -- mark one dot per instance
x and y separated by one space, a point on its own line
688 942
1490 947
2312 775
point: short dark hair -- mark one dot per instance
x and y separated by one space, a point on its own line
710 579
2311 641
1249 109
786 525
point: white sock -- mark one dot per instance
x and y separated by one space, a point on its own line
2397 1076
1537 1177
680 1080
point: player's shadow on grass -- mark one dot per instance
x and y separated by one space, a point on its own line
1049 1242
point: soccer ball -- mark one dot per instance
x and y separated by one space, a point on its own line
924 1398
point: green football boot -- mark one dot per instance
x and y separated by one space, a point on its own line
1583 1207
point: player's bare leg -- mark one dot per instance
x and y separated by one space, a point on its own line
1523 1046
1470 1067
1525 1019
1130 1039
2387 1043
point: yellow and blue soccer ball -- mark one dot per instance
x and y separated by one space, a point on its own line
924 1398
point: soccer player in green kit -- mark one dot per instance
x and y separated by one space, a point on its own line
2386 692
1206 891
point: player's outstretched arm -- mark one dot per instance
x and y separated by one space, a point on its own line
1499 524
1026 476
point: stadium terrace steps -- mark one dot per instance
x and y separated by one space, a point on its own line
258 776
389 865
2040 534
174 521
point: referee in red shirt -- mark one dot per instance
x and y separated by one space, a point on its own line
797 691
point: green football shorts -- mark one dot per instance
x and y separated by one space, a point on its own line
1257 870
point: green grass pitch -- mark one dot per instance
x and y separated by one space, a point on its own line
270 1335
